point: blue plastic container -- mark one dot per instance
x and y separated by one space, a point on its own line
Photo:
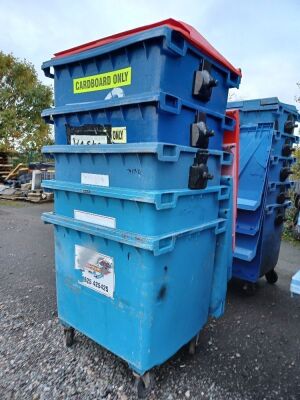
266 140
133 166
143 212
269 110
155 117
129 292
149 61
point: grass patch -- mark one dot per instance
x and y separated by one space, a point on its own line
289 233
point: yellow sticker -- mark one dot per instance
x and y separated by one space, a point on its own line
107 80
119 134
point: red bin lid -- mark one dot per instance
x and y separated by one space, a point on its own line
191 34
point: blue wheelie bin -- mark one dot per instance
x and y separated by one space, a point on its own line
266 146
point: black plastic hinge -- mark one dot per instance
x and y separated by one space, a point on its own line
290 124
200 133
284 173
204 82
280 219
287 149
199 174
282 197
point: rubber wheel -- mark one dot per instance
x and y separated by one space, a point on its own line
69 337
271 277
193 345
249 288
143 385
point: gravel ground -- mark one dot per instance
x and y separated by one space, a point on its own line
250 353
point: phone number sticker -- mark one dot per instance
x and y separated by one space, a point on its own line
97 270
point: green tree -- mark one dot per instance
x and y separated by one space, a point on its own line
22 98
296 166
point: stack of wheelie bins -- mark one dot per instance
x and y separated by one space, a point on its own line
266 156
142 216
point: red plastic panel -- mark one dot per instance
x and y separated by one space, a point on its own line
233 136
191 34
231 143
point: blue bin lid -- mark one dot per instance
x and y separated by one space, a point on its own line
266 104
190 33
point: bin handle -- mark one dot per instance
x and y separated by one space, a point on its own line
175 43
47 72
166 200
227 158
167 244
273 185
164 245
168 152
223 193
271 207
232 80
170 103
228 123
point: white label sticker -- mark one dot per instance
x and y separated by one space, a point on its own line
88 139
97 270
119 134
94 179
97 219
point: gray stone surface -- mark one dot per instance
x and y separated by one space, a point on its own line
251 353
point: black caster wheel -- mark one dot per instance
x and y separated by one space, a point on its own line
69 336
143 385
249 288
193 345
271 277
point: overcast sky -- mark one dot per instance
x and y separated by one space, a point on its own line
260 36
